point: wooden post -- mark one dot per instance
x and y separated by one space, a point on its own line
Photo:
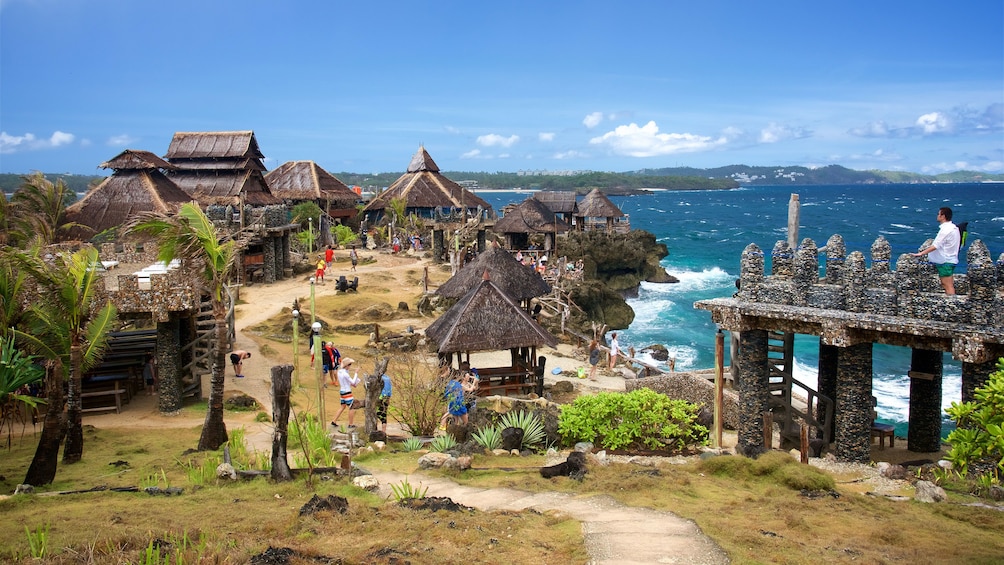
794 210
425 281
374 384
376 333
716 439
768 430
804 447
281 385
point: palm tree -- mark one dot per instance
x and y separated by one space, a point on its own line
191 236
37 209
17 370
67 326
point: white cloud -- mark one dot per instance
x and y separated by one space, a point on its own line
775 133
572 154
452 129
472 154
492 139
593 120
123 140
872 129
646 141
934 122
545 136
28 141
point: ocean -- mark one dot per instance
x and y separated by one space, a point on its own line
707 230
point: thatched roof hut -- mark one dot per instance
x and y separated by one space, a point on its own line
306 181
136 185
596 211
221 168
529 217
425 190
487 319
560 202
515 279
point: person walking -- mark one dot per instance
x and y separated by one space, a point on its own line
594 358
614 350
383 402
150 376
319 274
329 256
944 252
331 358
237 359
345 384
354 257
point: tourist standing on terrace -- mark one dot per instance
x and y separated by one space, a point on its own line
944 252
614 350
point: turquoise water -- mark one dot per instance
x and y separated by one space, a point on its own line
706 231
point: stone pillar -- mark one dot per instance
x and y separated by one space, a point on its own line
751 275
482 241
836 252
287 258
976 375
985 305
880 274
782 260
754 391
438 247
268 250
854 404
924 433
854 283
806 270
169 365
827 378
277 245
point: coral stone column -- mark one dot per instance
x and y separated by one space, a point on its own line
975 375
854 405
924 434
754 390
827 378
169 365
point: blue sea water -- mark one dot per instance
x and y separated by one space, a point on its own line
706 231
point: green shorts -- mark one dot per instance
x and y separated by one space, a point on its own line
945 269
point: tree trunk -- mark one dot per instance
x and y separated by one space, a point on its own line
374 384
42 470
214 431
281 385
73 451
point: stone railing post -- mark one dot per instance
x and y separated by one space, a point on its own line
751 273
836 252
782 260
880 274
806 270
984 301
854 283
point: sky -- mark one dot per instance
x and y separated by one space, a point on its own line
509 86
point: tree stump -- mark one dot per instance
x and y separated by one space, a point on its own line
374 384
281 385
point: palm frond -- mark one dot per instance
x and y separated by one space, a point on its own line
96 333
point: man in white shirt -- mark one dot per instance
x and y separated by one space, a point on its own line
944 252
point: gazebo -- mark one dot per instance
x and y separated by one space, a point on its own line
516 280
597 212
488 319
530 217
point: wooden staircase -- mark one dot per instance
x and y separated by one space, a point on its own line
792 403
201 348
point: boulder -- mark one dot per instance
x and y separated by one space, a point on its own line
512 439
433 460
929 492
367 482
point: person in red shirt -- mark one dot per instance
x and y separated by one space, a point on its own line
329 256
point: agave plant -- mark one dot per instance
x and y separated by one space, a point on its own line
412 444
443 443
489 437
530 423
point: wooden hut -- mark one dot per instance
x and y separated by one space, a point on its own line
597 212
561 203
220 168
488 319
306 181
428 193
530 217
136 185
519 282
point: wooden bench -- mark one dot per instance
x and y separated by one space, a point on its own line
505 381
111 393
882 431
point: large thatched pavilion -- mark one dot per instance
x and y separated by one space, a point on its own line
306 181
220 168
136 185
487 319
519 282
428 193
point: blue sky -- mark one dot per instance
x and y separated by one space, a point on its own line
509 86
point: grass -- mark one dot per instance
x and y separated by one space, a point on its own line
229 522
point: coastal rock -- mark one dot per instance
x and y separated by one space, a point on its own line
657 351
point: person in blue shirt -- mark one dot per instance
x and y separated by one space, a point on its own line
383 402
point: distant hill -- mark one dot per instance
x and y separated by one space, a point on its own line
832 174
77 183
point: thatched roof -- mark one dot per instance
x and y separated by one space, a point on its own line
423 187
516 280
597 205
213 145
122 195
487 319
134 159
225 187
557 201
530 216
305 180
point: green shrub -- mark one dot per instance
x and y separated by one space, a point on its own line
412 444
979 435
418 395
639 419
489 437
443 443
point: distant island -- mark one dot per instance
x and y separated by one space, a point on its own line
630 182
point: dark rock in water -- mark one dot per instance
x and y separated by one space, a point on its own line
658 351
331 502
574 466
512 438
